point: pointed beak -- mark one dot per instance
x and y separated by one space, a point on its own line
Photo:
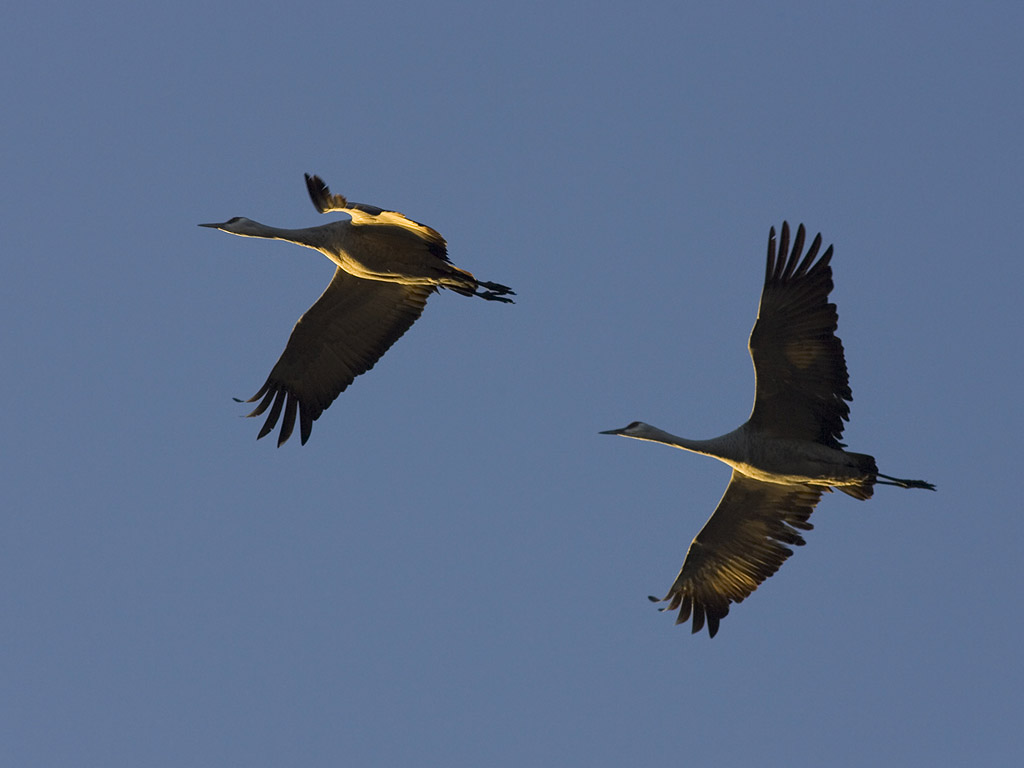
214 226
611 432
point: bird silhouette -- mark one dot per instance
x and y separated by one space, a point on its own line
787 453
387 266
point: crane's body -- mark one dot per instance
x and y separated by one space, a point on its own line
787 453
387 253
771 459
387 266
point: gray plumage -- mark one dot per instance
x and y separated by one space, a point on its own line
387 266
787 453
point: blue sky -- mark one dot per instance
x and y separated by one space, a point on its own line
454 570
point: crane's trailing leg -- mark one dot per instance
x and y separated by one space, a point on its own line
905 483
495 292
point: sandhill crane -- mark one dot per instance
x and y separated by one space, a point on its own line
787 453
387 266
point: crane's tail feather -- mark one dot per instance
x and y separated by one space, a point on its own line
864 488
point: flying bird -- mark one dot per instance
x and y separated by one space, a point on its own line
787 453
387 266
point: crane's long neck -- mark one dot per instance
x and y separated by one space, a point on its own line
727 446
311 237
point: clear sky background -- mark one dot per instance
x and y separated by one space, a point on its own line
454 570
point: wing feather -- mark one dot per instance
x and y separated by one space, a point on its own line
803 387
381 219
744 542
347 330
320 194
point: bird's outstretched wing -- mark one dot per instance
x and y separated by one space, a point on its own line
323 200
327 202
802 383
742 544
341 336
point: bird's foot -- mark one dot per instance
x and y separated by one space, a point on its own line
490 296
495 292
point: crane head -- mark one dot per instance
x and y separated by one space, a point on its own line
231 225
633 430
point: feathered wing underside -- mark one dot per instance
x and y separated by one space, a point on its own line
341 336
803 387
743 543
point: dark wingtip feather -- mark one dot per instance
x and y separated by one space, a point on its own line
784 260
305 423
783 246
317 192
698 620
798 246
321 195
826 257
275 412
769 268
267 394
288 423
